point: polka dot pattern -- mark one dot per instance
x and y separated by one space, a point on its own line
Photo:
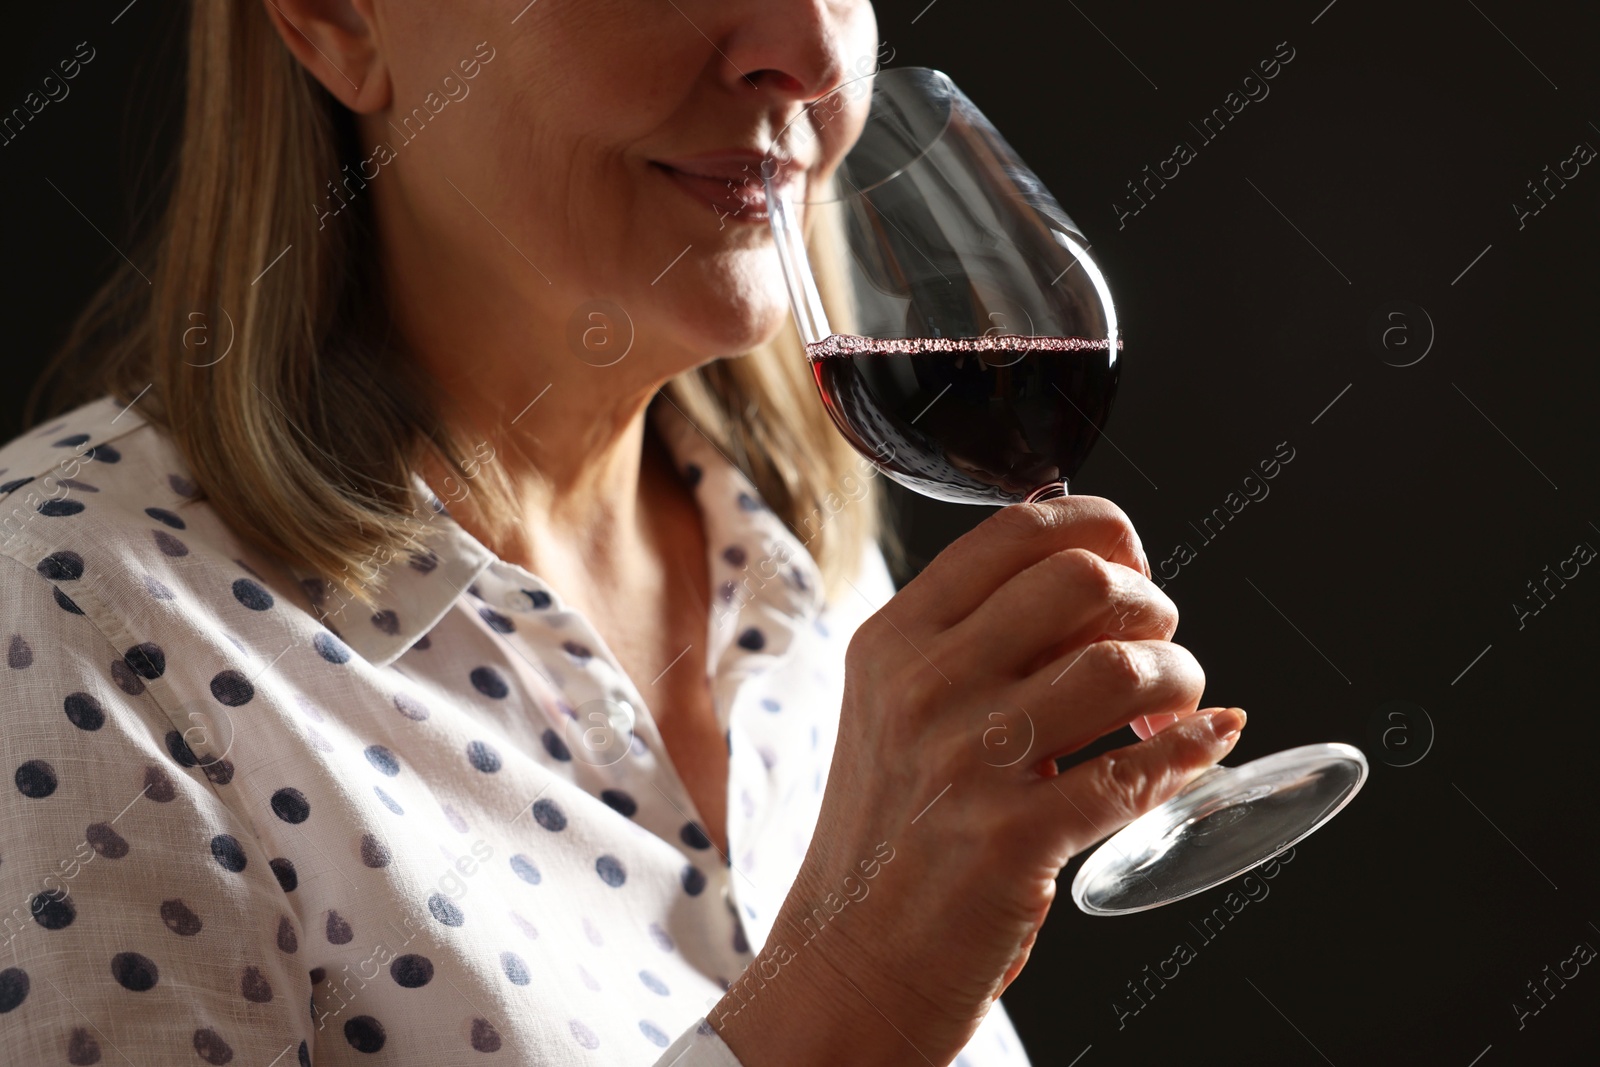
82 1048
290 805
516 968
483 757
620 802
557 748
84 711
487 681
36 779
445 910
135 972
496 621
19 656
338 929
549 815
387 801
105 841
410 707
288 940
229 853
365 1034
211 1047
374 853
61 567
331 648
484 1038
411 971
147 660
526 870
180 918
168 544
254 987
421 772
53 909
611 871
251 595
232 688
14 986
383 760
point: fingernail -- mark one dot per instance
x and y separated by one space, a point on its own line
1226 724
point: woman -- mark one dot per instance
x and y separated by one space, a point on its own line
446 629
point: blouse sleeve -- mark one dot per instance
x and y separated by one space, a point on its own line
142 920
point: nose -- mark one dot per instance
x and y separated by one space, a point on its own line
798 49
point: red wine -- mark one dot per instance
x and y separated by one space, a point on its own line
979 420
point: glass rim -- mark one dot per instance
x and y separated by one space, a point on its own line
772 170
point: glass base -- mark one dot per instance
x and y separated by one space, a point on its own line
1223 823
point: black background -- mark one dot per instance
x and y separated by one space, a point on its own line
1392 547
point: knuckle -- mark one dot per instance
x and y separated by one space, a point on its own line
1117 517
1088 571
919 689
863 643
1119 664
1130 786
1187 672
870 637
1168 613
1159 607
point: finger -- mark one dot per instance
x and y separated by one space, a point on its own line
1093 690
1147 726
1108 792
1009 541
1076 597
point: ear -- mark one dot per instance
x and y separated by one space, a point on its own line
337 42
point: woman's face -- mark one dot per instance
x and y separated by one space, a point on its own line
606 150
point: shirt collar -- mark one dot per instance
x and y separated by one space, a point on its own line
765 585
418 586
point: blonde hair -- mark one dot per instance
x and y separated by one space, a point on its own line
303 438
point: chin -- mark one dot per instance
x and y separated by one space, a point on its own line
730 319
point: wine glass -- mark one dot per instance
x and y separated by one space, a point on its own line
965 342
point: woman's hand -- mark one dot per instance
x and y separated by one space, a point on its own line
945 824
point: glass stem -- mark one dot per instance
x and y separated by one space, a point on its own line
1051 491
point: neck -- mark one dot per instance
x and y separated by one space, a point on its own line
568 437
579 478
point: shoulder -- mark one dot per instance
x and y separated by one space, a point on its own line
99 496
100 465
100 517
63 443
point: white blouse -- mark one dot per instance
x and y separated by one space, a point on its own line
248 824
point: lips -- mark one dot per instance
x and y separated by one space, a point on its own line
728 182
